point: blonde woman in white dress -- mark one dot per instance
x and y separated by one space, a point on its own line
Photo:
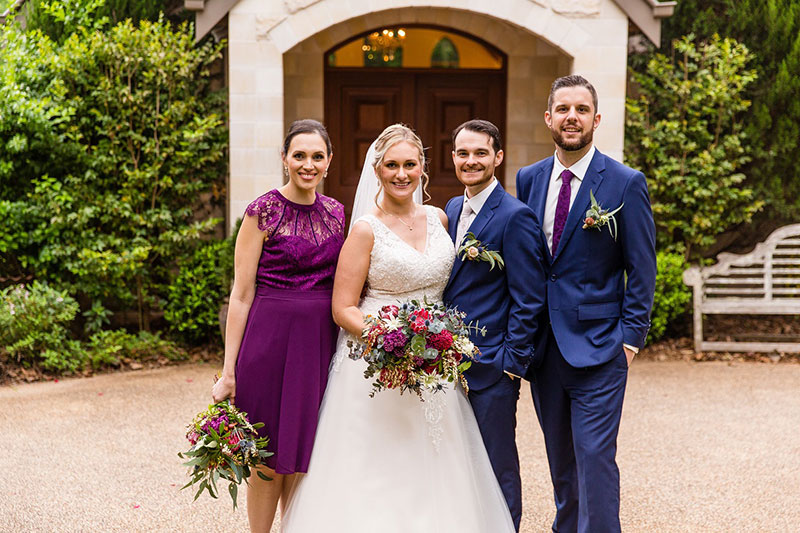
393 463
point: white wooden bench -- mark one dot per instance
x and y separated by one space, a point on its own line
764 282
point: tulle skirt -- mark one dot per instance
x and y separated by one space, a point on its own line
395 464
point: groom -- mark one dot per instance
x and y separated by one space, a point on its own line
506 300
599 296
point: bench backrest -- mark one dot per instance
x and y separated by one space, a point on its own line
770 272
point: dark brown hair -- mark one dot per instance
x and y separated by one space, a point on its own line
480 126
573 80
306 125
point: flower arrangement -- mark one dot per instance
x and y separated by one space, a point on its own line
474 250
416 346
597 217
224 445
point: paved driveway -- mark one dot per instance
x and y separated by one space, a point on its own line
703 447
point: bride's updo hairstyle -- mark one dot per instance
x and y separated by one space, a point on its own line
389 137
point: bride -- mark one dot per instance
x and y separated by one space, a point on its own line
393 463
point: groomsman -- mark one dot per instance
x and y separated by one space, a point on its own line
599 294
506 300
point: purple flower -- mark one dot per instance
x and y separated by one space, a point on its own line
394 339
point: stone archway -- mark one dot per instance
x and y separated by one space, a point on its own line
276 66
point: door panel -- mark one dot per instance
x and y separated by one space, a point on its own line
359 104
444 102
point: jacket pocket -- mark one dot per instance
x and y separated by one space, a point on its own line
599 311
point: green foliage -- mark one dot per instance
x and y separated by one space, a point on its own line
59 18
120 150
195 295
771 30
111 347
683 130
672 296
33 327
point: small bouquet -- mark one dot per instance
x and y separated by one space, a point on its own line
224 445
597 217
472 249
416 346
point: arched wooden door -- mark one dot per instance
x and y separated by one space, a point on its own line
361 102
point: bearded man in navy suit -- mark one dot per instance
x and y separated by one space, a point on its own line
602 271
505 300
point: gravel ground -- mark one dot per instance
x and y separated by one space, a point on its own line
702 447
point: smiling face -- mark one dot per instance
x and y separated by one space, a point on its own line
474 159
572 119
400 170
306 160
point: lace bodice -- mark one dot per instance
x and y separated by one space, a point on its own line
398 272
301 242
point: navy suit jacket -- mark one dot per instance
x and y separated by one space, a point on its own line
505 301
591 308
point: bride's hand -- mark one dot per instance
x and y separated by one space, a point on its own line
225 387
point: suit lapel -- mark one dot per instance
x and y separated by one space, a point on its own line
591 182
540 185
453 213
484 216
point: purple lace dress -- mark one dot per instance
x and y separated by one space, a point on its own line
290 337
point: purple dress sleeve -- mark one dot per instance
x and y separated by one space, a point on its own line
301 242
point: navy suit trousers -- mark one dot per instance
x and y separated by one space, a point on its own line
579 410
495 409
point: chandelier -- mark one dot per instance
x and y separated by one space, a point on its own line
383 45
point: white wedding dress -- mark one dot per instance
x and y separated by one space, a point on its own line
393 463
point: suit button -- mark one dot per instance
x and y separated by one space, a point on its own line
552 277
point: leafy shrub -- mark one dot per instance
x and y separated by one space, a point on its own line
196 293
672 296
112 347
33 327
684 130
112 154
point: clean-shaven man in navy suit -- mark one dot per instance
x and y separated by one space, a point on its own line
596 319
505 300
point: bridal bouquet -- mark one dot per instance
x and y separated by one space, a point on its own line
415 346
224 445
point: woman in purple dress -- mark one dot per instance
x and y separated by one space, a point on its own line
280 337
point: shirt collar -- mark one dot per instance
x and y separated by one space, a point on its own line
477 201
578 170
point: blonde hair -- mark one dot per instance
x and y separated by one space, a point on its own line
392 135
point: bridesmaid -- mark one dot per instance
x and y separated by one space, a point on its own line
280 337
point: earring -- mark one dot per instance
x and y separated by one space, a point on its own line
285 172
326 174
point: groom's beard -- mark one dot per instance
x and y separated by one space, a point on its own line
573 145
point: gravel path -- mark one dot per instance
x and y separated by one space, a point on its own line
702 447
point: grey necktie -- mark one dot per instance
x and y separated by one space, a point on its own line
463 223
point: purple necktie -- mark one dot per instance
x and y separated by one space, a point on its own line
562 208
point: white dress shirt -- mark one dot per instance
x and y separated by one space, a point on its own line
579 170
475 203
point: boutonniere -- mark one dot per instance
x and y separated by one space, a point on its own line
597 217
474 250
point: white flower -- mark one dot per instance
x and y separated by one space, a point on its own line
394 323
463 345
472 252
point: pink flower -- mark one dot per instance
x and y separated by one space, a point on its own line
441 341
418 325
388 311
472 252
